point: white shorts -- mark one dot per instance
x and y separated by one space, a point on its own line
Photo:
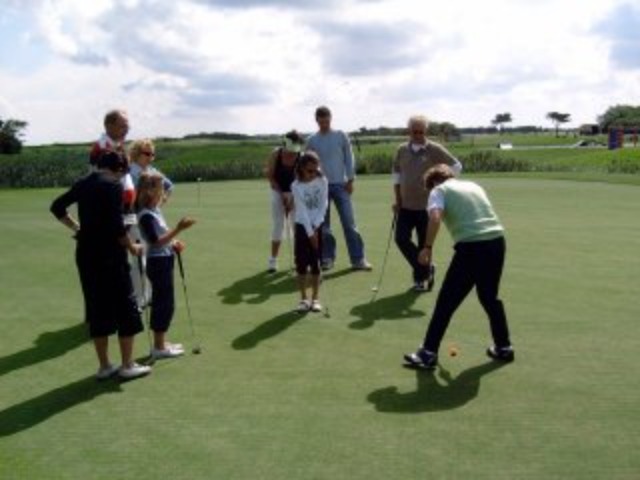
278 218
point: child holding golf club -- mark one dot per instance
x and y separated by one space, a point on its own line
311 200
142 154
162 247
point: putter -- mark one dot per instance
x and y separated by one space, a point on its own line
376 288
145 306
287 223
196 349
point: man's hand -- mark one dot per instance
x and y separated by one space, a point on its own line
349 187
424 257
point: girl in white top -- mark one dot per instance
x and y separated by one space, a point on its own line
310 199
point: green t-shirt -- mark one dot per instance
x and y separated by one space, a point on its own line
468 213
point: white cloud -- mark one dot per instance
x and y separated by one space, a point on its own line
263 66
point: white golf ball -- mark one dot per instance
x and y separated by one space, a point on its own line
374 289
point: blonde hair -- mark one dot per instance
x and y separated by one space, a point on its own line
418 120
136 148
436 175
150 190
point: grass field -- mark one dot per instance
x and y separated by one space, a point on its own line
280 396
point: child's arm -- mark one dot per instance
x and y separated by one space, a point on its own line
168 237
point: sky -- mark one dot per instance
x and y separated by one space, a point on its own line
251 66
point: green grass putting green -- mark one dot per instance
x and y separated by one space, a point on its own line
275 395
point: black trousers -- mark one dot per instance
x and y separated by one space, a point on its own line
408 222
474 264
307 258
110 304
160 273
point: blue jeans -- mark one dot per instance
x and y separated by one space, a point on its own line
342 200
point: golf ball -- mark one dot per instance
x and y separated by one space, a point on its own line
374 289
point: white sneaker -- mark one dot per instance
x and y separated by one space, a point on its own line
106 372
169 351
303 306
273 265
134 370
316 306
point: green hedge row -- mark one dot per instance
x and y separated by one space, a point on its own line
60 167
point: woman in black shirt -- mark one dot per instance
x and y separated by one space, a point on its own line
101 258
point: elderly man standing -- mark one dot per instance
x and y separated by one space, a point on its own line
336 157
412 161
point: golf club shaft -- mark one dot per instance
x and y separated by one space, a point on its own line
145 307
186 299
386 255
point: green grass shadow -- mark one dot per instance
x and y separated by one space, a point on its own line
266 330
32 412
394 307
48 345
257 288
432 395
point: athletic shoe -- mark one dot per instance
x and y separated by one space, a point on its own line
362 265
106 372
432 277
134 370
273 265
326 265
316 306
422 359
303 306
170 351
420 287
502 354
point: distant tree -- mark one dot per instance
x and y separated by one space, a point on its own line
500 119
620 116
10 133
558 118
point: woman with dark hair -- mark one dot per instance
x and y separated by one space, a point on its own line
101 258
280 173
478 261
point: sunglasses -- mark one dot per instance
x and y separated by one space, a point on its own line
148 154
418 132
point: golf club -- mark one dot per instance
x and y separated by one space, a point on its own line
199 183
289 233
145 305
196 348
376 287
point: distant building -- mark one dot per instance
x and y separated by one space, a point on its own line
589 129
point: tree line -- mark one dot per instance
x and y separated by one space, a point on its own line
626 116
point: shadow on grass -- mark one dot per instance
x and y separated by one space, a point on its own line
332 275
432 395
266 330
47 346
258 288
395 307
30 413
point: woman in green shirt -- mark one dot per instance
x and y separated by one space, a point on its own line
478 261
